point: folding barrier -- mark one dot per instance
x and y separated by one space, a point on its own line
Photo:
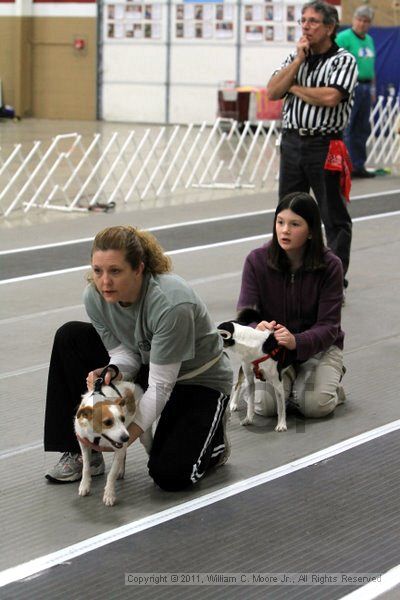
75 173
383 144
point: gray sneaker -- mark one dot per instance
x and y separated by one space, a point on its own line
69 467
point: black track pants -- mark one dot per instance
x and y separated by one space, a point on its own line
189 435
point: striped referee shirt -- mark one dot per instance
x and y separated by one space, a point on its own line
336 68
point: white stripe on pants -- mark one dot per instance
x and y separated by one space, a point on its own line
196 473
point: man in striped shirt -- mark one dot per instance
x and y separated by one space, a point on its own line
317 81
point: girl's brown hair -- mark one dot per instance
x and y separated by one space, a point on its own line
306 207
138 246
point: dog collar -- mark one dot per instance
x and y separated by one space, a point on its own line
258 374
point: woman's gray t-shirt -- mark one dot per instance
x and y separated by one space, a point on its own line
169 323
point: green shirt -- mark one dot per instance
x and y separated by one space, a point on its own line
169 323
363 49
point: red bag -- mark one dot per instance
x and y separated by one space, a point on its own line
338 159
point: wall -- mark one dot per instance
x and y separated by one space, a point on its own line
42 74
159 64
15 60
387 12
164 61
63 78
168 66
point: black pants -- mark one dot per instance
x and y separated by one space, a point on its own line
189 436
302 169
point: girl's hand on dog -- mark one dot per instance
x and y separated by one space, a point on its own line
284 337
265 326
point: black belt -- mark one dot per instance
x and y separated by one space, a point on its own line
302 132
364 80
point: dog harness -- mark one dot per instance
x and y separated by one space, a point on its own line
99 382
258 374
97 390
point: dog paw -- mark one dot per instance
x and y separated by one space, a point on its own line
281 427
247 421
109 498
233 407
84 489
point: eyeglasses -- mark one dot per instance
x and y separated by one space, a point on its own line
311 22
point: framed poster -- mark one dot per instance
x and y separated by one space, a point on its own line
133 20
204 21
271 21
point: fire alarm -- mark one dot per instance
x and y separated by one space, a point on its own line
79 43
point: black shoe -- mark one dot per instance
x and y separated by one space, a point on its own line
362 174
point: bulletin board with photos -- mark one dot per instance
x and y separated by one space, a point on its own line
272 21
133 20
204 21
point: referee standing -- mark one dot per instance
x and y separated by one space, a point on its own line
317 81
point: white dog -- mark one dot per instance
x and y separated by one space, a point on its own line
261 358
103 417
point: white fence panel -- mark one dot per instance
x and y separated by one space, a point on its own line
73 173
383 144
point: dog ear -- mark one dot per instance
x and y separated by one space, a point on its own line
129 401
248 315
226 331
86 412
226 326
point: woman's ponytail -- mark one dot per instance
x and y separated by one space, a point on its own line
137 246
154 258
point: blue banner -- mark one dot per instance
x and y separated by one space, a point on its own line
387 44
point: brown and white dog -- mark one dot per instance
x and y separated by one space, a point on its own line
103 417
261 358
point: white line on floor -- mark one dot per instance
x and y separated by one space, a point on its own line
47 274
182 224
393 213
23 371
11 452
377 194
42 563
184 250
39 315
374 589
171 253
158 228
11 320
53 311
